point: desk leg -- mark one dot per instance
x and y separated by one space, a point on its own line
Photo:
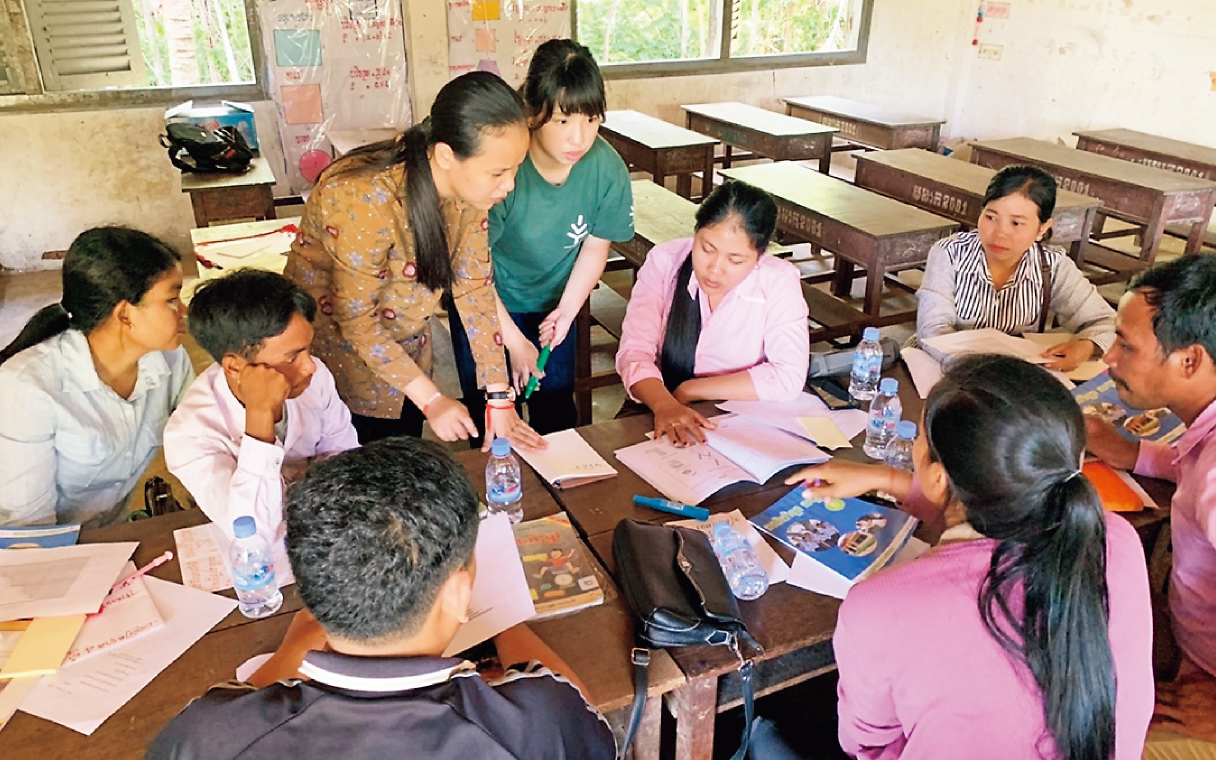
1153 232
695 704
825 158
874 282
842 279
646 742
1199 230
707 178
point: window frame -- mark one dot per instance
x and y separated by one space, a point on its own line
30 97
725 64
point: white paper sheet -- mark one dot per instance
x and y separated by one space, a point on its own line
924 369
84 694
759 449
814 576
67 580
784 415
500 591
568 458
689 475
776 568
202 553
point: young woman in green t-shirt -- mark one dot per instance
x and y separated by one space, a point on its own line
549 238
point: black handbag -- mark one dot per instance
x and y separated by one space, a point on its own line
672 582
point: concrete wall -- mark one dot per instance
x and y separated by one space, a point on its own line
1065 65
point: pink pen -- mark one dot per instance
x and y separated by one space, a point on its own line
162 559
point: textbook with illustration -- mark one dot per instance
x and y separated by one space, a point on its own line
1099 398
569 461
739 449
1116 488
851 537
561 576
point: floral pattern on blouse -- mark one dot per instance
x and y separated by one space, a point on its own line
372 325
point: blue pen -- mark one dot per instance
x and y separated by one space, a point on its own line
674 507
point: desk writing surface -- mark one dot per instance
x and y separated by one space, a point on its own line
1037 151
258 174
659 214
836 199
968 177
652 132
860 111
759 119
1147 143
127 733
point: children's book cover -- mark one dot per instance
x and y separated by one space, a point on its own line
1099 398
852 537
561 577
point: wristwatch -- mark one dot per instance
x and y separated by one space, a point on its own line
507 395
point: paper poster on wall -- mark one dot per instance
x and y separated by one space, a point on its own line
501 35
338 65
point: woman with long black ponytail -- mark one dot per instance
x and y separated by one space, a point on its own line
389 229
714 317
1026 632
86 388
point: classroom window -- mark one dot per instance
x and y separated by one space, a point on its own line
77 46
644 37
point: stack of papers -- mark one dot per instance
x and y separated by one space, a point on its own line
72 652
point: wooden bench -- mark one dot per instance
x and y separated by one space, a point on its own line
864 125
1140 194
766 134
1160 153
861 228
220 198
662 149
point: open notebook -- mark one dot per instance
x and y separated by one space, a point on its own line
739 449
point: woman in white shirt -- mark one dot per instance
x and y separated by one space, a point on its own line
87 386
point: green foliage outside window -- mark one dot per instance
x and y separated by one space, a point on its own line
220 53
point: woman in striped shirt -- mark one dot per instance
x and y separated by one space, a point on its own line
1002 276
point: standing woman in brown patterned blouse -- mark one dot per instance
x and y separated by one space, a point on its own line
387 230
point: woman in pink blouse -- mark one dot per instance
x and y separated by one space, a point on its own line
1026 632
737 330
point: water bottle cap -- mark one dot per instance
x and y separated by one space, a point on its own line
500 447
870 333
244 527
906 429
889 386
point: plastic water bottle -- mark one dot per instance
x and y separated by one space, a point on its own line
257 590
743 570
503 485
867 366
885 411
899 450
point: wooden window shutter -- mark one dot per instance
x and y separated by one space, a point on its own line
86 44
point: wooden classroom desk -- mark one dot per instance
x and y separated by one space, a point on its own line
864 124
595 643
955 189
229 197
764 133
1140 194
862 228
662 149
1158 152
794 626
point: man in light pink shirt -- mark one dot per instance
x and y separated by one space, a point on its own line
1164 356
254 419
743 311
